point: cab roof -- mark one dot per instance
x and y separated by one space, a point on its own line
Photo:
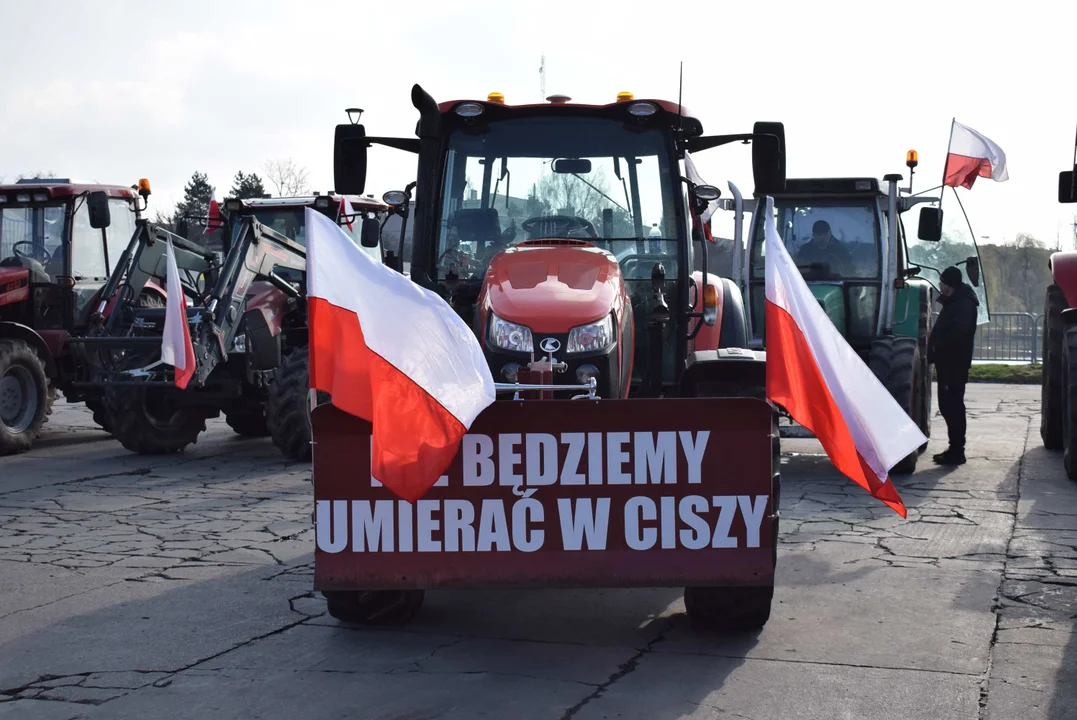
831 186
358 202
57 188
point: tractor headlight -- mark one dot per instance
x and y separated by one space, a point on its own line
591 337
239 345
510 336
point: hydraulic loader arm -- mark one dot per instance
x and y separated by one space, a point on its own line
255 255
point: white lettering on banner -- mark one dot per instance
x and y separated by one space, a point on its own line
508 459
541 459
694 522
570 473
585 521
594 458
693 452
478 460
656 462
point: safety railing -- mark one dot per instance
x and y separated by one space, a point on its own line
1014 337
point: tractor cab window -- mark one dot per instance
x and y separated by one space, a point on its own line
87 247
32 237
532 179
121 228
289 222
828 240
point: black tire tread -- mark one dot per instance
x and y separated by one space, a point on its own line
18 351
1052 397
248 420
287 418
374 607
1069 412
125 410
896 363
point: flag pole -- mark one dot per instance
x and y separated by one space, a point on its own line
949 142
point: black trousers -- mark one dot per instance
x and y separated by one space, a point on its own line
951 382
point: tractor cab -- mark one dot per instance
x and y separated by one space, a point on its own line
566 231
59 242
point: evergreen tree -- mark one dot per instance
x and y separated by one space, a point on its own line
246 186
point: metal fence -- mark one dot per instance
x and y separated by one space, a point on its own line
1014 337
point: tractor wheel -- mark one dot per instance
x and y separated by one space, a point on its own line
896 363
26 396
1052 399
288 408
247 420
374 607
100 416
1069 395
740 609
151 421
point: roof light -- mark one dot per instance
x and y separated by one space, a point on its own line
558 99
22 197
394 198
143 186
863 185
469 109
625 96
41 197
321 201
232 205
912 158
642 109
3 198
496 97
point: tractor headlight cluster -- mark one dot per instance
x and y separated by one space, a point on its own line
591 337
510 336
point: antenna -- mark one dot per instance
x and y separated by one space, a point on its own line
542 76
680 99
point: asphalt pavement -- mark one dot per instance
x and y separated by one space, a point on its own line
180 587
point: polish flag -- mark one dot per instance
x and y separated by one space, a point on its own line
345 212
695 178
176 347
971 155
394 354
823 384
214 212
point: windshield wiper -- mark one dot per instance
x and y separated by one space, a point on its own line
585 182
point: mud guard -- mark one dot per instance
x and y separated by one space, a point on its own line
558 493
18 331
1064 271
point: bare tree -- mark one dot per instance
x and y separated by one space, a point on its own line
34 176
288 178
1027 281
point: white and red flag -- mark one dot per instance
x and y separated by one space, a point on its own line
971 155
345 213
394 354
176 347
695 178
823 384
214 212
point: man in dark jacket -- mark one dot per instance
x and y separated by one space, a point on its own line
949 347
826 250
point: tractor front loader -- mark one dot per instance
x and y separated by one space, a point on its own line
242 316
631 444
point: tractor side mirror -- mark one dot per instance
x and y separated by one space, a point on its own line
1067 186
972 270
768 158
97 204
930 226
370 233
349 159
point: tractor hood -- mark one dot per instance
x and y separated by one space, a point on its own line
552 286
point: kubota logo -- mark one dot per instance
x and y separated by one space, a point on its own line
550 345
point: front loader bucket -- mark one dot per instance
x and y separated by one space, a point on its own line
558 493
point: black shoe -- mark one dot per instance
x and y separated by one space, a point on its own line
950 457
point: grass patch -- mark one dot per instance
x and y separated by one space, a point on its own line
1024 374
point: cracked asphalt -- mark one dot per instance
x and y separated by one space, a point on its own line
180 587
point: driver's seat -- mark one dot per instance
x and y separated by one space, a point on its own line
38 276
478 225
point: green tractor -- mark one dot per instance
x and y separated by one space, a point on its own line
876 284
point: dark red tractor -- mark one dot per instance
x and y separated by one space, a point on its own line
59 242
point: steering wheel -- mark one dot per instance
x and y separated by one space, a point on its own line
454 256
559 225
39 252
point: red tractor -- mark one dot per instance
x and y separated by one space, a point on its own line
633 445
59 243
1058 423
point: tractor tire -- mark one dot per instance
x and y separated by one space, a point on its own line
149 421
288 408
896 363
26 396
1052 388
374 607
1069 395
740 609
97 407
248 420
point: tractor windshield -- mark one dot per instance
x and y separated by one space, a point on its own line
828 239
31 233
579 177
291 223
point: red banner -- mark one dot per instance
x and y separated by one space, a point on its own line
558 493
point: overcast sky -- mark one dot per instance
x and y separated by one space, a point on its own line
116 91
